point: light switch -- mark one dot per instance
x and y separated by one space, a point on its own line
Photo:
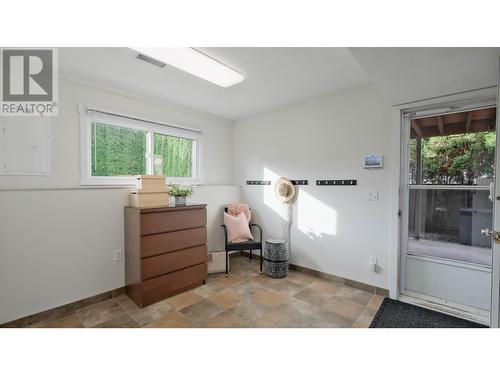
372 195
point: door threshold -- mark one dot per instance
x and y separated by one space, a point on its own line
477 316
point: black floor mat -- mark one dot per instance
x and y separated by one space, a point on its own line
396 314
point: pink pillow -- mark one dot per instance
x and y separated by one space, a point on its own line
237 228
234 209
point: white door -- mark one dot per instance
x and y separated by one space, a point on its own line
448 176
495 284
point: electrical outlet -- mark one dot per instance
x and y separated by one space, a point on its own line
372 263
118 255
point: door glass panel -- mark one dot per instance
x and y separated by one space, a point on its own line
447 224
458 159
452 150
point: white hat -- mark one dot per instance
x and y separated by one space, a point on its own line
284 190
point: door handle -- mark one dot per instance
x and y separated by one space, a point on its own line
489 232
486 232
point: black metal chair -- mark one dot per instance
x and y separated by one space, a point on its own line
240 246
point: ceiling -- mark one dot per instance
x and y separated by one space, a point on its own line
274 77
410 74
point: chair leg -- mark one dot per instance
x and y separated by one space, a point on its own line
261 259
250 255
227 259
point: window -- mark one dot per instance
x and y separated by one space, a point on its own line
117 147
117 151
175 154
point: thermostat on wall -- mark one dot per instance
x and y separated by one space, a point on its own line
373 161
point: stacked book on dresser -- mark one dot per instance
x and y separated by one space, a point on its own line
149 191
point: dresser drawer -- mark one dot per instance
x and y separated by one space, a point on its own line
156 244
169 221
170 262
167 285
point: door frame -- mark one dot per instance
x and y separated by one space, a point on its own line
460 102
495 271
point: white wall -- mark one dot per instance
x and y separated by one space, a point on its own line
57 239
335 229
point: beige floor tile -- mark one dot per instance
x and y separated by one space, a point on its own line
227 319
272 319
324 318
247 287
345 308
301 278
72 321
209 289
174 319
289 287
126 303
312 296
356 295
124 321
286 316
152 312
248 310
183 300
99 313
375 302
226 299
201 311
269 297
227 282
267 281
365 318
298 314
360 324
250 272
324 286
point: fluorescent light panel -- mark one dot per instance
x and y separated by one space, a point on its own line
196 63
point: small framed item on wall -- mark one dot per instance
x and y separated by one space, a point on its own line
373 161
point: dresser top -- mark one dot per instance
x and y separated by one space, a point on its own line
188 206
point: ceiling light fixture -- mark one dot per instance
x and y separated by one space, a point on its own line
195 62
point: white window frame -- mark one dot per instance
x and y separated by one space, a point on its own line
89 114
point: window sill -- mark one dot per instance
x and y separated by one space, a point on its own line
131 182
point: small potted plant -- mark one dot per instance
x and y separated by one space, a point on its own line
180 192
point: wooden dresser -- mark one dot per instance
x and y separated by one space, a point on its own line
165 251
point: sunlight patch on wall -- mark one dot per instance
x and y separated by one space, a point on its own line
315 218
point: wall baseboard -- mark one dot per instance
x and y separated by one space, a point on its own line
341 280
334 278
62 311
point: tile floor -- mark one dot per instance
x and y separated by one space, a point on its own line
245 299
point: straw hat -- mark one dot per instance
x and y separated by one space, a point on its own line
284 190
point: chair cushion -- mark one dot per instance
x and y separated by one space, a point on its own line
237 228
